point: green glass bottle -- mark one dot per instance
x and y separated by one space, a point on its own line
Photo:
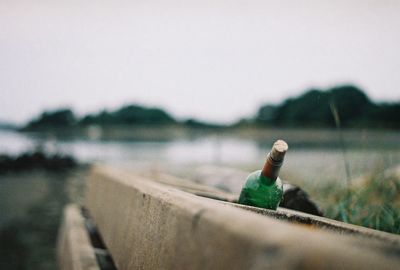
263 188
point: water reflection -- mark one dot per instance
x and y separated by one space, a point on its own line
314 163
200 150
213 150
14 143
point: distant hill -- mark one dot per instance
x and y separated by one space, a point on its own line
130 115
51 119
314 109
126 115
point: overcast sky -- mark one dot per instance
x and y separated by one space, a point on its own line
211 59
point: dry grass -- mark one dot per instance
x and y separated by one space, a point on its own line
373 201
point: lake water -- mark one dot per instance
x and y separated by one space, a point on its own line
315 163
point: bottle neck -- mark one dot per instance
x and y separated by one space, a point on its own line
271 168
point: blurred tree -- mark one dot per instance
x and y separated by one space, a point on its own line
134 114
385 115
58 118
193 123
352 104
309 109
312 109
130 115
266 114
102 118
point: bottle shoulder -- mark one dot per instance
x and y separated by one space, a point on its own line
254 175
253 179
256 179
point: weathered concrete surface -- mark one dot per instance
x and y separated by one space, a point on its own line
148 225
189 186
229 179
74 251
281 213
383 241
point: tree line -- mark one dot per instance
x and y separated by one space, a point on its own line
317 108
313 108
126 115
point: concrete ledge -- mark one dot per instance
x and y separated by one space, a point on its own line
74 251
390 240
387 240
190 186
148 225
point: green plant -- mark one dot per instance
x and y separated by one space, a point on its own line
372 202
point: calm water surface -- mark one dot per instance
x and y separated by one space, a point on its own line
310 163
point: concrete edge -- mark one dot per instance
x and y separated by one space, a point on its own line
74 249
131 212
283 214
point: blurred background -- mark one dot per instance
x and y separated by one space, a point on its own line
176 85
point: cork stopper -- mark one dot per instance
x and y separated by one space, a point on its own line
278 150
275 160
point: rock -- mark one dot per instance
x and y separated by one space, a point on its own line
36 160
297 199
